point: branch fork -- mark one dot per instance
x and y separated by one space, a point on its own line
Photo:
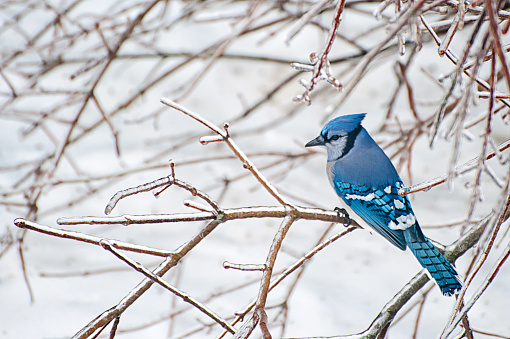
319 63
321 70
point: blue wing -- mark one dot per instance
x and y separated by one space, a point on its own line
381 208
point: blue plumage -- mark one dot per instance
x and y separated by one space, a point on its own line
364 177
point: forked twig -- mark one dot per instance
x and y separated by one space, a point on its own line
247 163
320 66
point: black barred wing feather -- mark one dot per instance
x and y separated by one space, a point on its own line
381 208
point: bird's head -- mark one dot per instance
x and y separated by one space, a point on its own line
338 135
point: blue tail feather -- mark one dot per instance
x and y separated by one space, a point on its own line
430 258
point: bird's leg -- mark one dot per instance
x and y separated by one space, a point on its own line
342 212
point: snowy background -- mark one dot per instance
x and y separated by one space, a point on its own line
340 291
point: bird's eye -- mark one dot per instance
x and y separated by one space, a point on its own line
335 137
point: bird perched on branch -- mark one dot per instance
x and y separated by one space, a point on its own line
364 177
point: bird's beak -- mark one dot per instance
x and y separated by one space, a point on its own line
319 141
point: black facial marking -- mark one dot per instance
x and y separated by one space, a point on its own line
351 137
333 138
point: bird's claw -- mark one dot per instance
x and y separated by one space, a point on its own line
342 213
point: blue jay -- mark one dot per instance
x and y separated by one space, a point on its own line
364 177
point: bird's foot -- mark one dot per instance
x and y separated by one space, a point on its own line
342 213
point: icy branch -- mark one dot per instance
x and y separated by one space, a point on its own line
226 215
247 163
55 232
460 170
319 64
185 297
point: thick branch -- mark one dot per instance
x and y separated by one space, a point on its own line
227 215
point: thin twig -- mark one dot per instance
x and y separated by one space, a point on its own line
247 163
55 232
462 169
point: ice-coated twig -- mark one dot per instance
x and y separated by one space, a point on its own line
129 219
198 206
25 224
320 65
259 315
502 160
244 267
377 13
322 73
208 139
247 163
164 182
472 8
464 168
498 181
449 34
185 297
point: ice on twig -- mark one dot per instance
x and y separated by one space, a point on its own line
198 206
244 267
210 138
169 180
